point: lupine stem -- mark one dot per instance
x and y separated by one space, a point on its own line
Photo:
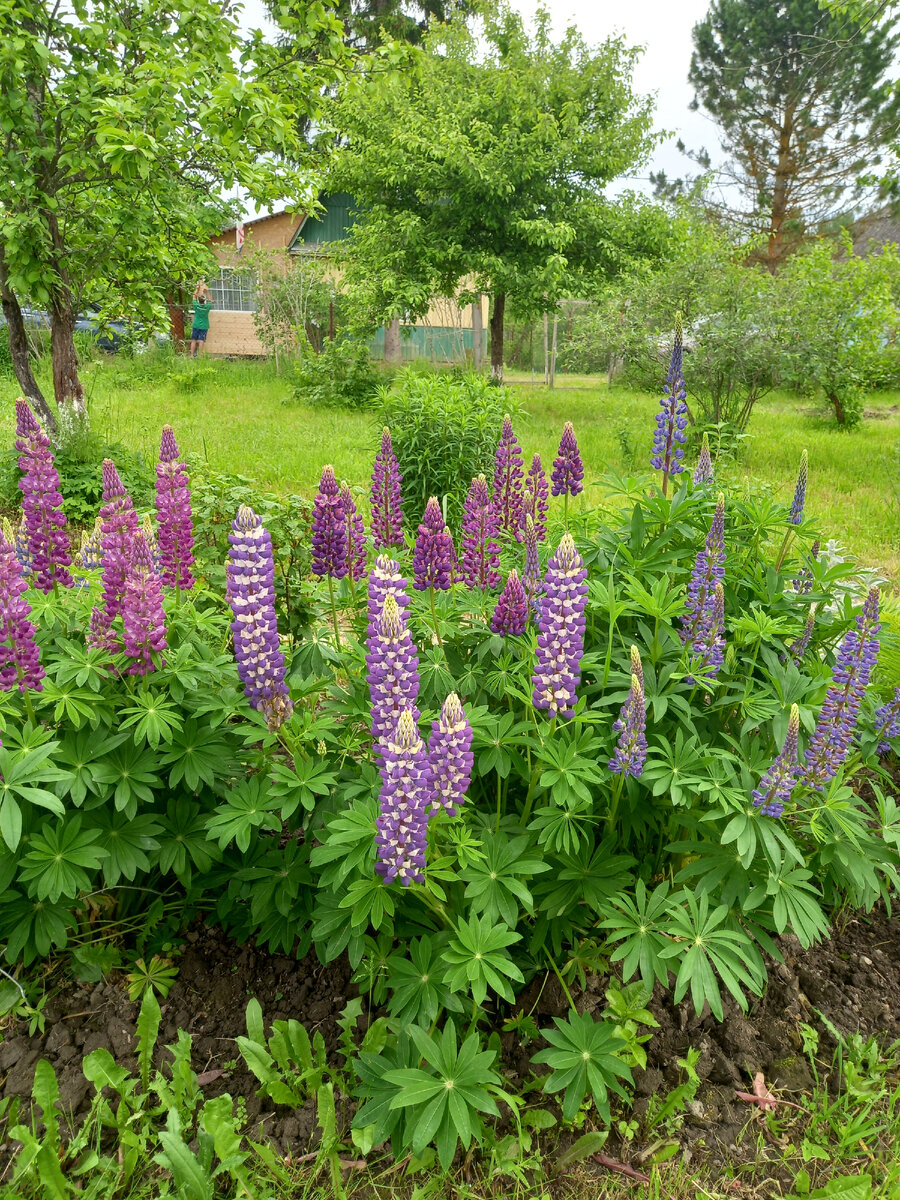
434 617
337 635
614 798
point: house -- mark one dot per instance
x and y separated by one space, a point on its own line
876 229
448 333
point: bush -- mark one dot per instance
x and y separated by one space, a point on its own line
341 376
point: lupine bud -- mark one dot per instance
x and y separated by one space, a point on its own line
356 537
804 581
776 786
385 580
631 748
637 667
560 644
20 658
703 472
535 498
149 536
173 513
887 722
45 521
702 625
671 421
511 611
329 529
392 673
507 497
91 552
250 590
797 649
118 526
402 825
532 580
481 554
450 757
568 469
387 511
799 492
143 619
433 554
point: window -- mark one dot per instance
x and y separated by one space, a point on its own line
234 291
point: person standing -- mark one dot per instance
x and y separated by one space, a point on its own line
200 324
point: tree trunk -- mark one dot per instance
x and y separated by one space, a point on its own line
21 360
553 350
393 352
477 335
498 304
67 386
838 407
176 320
546 354
783 171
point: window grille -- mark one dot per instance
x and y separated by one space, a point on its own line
233 291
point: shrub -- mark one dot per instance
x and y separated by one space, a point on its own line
341 376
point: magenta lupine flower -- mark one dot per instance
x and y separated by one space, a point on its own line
887 722
631 725
385 579
402 824
433 555
671 421
802 585
511 611
118 526
356 537
799 492
450 757
778 783
568 470
387 508
480 551
250 590
532 580
561 623
329 529
45 521
173 513
143 619
507 498
20 658
836 725
535 498
798 648
703 472
699 621
392 673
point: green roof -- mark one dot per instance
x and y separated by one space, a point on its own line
329 226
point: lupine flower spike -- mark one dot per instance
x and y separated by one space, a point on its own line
450 757
119 524
703 472
91 553
393 673
23 550
143 619
329 538
671 421
149 535
433 557
387 510
702 626
20 659
802 585
535 502
568 471
797 650
356 537
508 481
836 725
402 825
45 521
174 516
250 590
531 576
511 612
887 722
480 551
631 748
560 644
778 783
796 514
385 580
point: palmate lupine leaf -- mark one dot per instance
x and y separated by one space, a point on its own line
183 845
584 1059
477 959
495 883
635 925
246 809
198 754
58 859
419 990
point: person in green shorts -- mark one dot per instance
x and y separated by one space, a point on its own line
200 326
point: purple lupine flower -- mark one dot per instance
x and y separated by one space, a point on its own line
703 473
356 537
385 580
777 784
511 611
887 722
250 590
802 585
402 824
799 492
671 421
143 619
833 735
387 509
798 648
433 555
507 497
568 469
173 513
23 550
631 725
697 624
713 649
329 529
561 623
392 673
532 581
20 658
450 757
535 498
45 521
118 526
480 551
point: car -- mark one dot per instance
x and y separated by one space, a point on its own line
110 336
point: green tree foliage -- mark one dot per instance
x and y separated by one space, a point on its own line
479 166
369 23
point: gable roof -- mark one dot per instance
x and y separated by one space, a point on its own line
876 229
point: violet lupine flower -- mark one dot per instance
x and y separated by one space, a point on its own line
91 552
833 735
329 529
387 510
118 526
356 537
568 469
173 513
385 580
23 550
697 624
798 648
887 722
802 585
532 581
480 551
450 757
508 481
703 472
671 421
143 619
402 825
20 658
535 498
392 673
560 644
511 611
250 590
434 551
45 521
714 644
631 725
777 784
799 492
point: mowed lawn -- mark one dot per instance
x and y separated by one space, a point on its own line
237 420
